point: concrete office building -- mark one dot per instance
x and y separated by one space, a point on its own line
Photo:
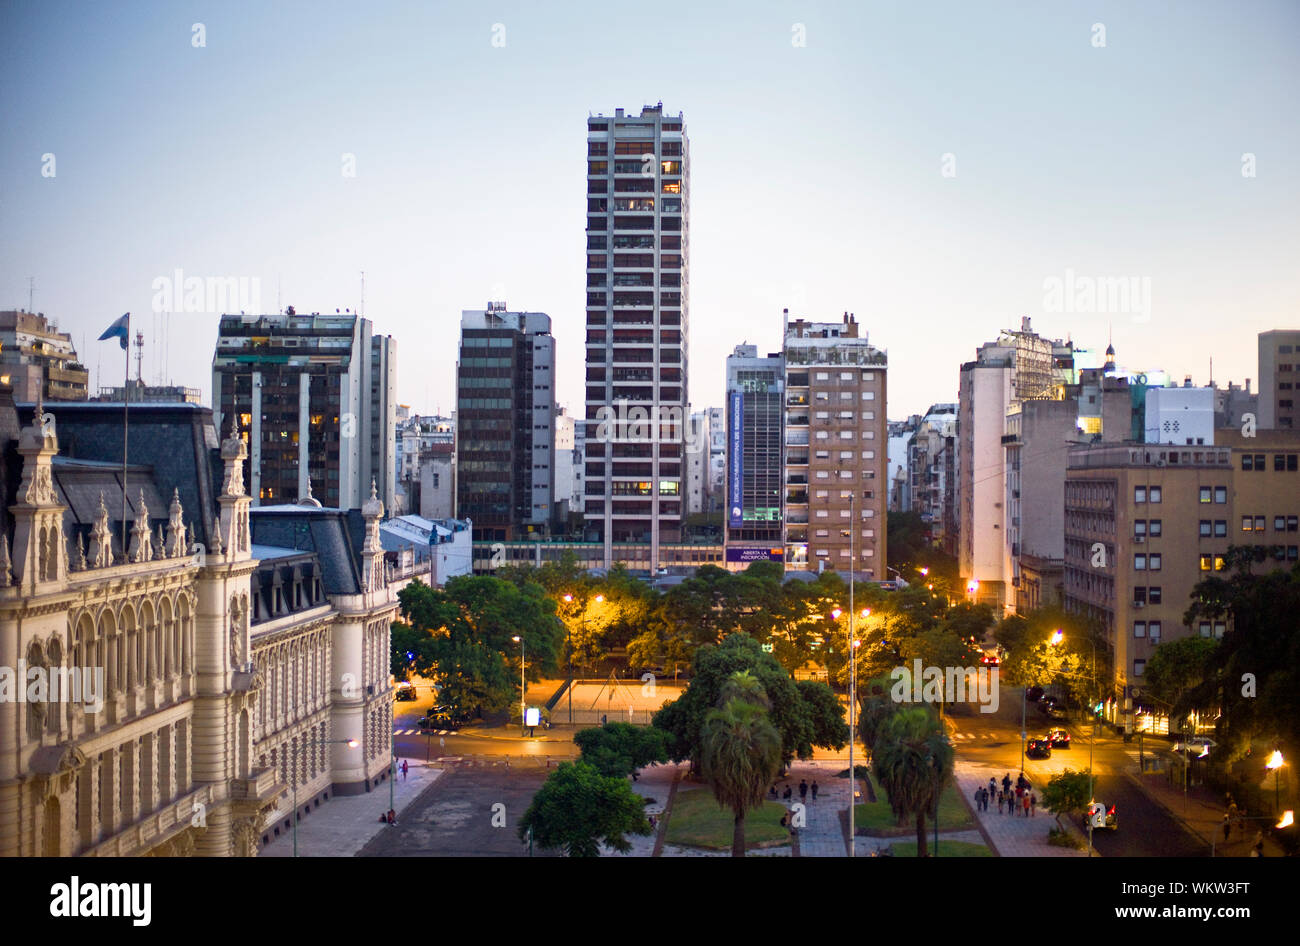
757 484
697 463
1279 378
638 243
314 397
505 423
836 444
38 360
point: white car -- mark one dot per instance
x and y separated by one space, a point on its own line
1100 816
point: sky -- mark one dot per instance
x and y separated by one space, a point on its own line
938 169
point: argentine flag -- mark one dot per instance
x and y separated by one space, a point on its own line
118 330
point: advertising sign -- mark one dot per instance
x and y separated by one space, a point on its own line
736 446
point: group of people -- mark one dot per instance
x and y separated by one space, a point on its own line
1022 799
1233 814
804 789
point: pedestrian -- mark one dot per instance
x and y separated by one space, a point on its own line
1024 801
785 820
979 798
392 816
787 793
1002 800
403 770
1033 805
993 786
988 797
1006 782
1227 826
814 789
803 789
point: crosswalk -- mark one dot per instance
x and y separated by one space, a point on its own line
424 732
978 736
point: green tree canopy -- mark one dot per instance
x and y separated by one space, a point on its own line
913 759
740 752
619 749
577 809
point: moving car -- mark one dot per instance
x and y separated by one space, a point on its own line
1059 738
1038 749
442 717
1052 707
1100 816
991 659
405 692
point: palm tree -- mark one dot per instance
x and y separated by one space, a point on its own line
740 756
913 759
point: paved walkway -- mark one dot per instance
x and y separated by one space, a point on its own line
1009 835
653 781
1202 811
342 826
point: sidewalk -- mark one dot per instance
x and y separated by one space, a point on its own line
342 826
823 832
1202 813
1009 835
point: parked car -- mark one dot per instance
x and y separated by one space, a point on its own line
442 717
1099 815
1059 738
1038 749
1034 694
1052 707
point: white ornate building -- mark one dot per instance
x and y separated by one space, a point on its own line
226 679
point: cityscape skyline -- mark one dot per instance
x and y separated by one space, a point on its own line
951 259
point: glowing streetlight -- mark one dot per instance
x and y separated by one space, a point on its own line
600 599
972 586
568 599
866 612
1057 637
1288 819
835 614
1275 762
925 571
523 683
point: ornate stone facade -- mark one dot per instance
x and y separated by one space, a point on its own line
213 706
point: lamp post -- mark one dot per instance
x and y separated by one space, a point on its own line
1275 762
568 636
1056 638
350 743
523 683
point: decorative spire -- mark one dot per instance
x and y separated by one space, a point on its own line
216 537
159 544
141 540
81 564
101 539
175 546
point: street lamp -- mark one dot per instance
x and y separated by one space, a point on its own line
1275 762
1055 639
568 635
350 743
523 684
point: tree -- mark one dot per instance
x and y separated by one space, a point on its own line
619 749
1066 793
829 728
468 644
740 755
1177 666
577 809
913 760
683 719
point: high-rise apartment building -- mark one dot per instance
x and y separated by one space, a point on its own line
756 487
697 464
1279 378
836 448
314 396
38 360
505 423
638 193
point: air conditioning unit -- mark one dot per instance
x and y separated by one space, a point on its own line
1161 462
1139 538
1139 604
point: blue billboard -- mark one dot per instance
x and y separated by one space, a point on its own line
736 462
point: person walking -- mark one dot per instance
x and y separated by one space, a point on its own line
1033 805
1227 826
787 793
1002 800
1024 801
403 770
1006 782
993 786
814 790
803 789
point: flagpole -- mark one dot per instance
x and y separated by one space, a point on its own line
126 402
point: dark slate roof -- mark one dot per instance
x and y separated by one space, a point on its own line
327 532
170 446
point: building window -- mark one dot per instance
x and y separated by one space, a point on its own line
1153 631
1140 561
1138 667
1155 525
1220 494
1155 494
1207 562
1139 528
1205 628
1206 528
1220 528
1153 594
1207 494
1247 524
1139 494
1139 628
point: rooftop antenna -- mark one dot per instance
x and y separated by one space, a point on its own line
139 356
361 308
31 293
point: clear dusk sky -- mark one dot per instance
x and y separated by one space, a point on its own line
928 166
